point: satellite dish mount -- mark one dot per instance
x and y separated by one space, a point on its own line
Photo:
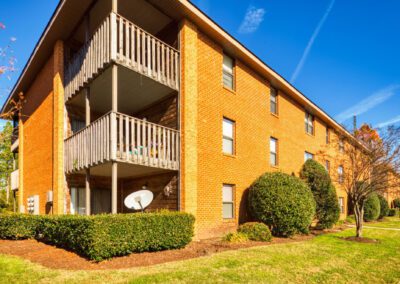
139 200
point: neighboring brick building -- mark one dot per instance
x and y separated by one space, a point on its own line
182 109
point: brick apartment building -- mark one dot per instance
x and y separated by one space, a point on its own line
123 95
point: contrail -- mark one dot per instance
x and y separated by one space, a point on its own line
368 103
311 42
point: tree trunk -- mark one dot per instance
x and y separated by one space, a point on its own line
359 216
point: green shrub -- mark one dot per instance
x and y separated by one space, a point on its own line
18 226
283 202
256 231
101 237
236 238
396 203
392 212
372 208
384 205
327 206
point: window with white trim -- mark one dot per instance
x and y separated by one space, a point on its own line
327 166
340 174
341 145
273 151
327 135
274 101
228 72
228 201
228 132
308 156
309 123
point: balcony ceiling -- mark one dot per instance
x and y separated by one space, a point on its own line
125 170
141 12
135 92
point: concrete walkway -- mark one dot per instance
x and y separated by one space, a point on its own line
379 228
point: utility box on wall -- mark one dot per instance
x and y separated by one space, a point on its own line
33 204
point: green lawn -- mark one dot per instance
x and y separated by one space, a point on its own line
326 258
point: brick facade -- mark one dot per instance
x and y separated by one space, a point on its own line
247 105
37 140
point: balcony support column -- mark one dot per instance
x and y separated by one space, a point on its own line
114 186
114 169
87 192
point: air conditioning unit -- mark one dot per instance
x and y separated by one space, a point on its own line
33 204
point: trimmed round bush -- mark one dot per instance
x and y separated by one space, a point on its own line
283 202
319 181
384 207
372 208
396 203
256 231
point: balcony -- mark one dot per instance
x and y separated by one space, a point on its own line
122 138
15 180
117 40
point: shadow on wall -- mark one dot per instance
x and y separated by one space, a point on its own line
244 214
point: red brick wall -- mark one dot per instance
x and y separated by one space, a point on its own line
248 105
163 112
38 137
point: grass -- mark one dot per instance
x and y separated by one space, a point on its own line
388 222
326 258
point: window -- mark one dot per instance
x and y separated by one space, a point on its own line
273 150
341 145
227 201
309 123
327 136
327 166
77 125
78 201
274 101
340 174
308 156
341 205
228 72
227 136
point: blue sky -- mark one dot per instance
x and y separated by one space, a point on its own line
344 55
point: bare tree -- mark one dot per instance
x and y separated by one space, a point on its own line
368 163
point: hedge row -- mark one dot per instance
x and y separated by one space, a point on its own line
104 236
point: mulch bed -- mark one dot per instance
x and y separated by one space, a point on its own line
56 258
361 240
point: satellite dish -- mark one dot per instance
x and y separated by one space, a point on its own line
139 200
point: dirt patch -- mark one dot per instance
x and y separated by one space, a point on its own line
361 240
56 258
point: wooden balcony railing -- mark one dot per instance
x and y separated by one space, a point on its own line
119 137
118 40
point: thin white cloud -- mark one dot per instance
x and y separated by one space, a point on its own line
392 121
310 43
368 103
252 20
